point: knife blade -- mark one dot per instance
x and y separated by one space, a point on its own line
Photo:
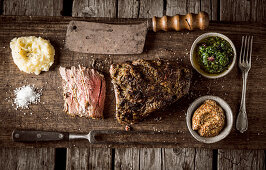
102 38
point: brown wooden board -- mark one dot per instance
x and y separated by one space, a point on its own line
33 7
48 114
89 158
27 158
241 159
243 10
94 8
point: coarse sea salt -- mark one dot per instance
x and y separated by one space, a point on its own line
26 95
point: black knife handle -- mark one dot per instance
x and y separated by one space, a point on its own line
38 136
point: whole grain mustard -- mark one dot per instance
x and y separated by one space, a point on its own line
208 119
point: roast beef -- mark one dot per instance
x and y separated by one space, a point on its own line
142 87
84 91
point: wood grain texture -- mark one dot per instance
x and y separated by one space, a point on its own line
209 6
243 10
206 6
178 158
187 158
94 8
49 115
137 159
33 7
182 7
203 159
24 159
150 8
192 6
89 158
241 159
128 8
258 10
127 158
231 10
150 158
214 10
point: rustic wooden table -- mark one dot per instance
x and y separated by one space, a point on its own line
133 158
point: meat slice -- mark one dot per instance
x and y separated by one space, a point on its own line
142 87
84 91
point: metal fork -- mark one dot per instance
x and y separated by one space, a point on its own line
245 65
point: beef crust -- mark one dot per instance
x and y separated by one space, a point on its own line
142 87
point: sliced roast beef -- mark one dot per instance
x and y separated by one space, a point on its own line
84 91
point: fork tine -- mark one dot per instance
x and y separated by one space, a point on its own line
241 51
250 50
247 50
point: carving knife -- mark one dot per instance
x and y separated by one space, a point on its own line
102 38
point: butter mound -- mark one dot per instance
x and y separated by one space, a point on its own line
32 54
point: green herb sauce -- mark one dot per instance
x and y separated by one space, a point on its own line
214 55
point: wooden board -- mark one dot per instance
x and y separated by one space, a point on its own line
33 7
89 158
94 8
239 159
243 10
163 158
187 158
182 7
48 114
27 158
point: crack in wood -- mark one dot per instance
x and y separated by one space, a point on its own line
241 158
194 160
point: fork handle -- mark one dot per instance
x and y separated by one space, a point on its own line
38 136
242 119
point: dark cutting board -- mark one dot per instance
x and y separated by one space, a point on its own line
49 115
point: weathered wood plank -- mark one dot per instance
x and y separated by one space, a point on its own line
128 8
19 158
241 159
187 158
89 158
258 10
178 158
150 158
33 7
206 6
203 159
214 9
231 10
243 10
150 8
127 158
182 7
94 8
209 6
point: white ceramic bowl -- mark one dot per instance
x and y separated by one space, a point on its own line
192 55
228 117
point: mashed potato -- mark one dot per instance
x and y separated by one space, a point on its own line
32 54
